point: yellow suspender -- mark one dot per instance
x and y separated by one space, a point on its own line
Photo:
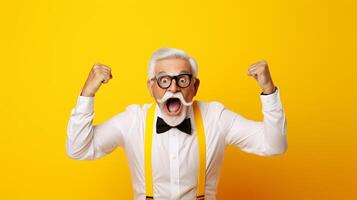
201 178
201 139
148 150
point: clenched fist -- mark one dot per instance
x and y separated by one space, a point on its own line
260 72
99 74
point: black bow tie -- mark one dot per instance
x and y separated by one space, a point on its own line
162 127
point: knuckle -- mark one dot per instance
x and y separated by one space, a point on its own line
96 65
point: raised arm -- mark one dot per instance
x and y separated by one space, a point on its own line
86 141
267 137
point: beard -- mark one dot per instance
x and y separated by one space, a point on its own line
173 103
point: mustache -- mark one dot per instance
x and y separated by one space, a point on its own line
178 95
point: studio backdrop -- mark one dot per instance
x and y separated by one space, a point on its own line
48 48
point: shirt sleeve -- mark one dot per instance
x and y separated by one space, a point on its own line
86 141
264 138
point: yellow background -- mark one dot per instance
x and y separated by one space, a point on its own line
48 48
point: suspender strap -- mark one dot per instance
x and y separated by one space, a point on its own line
148 151
201 139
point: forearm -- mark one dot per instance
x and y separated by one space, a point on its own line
80 130
275 124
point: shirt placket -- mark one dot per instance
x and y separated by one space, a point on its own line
174 164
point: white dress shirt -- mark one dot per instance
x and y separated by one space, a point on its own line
175 153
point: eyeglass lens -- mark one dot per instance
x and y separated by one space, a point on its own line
182 80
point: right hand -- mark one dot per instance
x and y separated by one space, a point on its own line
99 74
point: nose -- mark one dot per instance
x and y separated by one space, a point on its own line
173 87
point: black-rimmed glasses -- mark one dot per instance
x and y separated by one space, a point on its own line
182 80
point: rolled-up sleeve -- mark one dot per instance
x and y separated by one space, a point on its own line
264 138
86 141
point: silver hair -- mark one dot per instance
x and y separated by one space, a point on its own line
165 53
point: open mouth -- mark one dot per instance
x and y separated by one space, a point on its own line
173 106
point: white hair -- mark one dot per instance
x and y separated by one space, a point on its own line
165 53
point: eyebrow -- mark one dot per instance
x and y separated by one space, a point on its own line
181 72
184 72
161 73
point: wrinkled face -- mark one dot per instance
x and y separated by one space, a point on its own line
173 67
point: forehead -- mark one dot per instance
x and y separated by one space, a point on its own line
172 66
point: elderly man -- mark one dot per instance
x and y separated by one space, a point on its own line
175 146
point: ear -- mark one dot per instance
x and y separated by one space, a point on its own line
196 85
149 84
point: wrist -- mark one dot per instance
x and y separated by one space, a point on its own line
87 93
269 90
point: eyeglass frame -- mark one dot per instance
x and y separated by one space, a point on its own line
173 77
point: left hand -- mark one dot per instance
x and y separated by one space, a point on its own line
260 72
